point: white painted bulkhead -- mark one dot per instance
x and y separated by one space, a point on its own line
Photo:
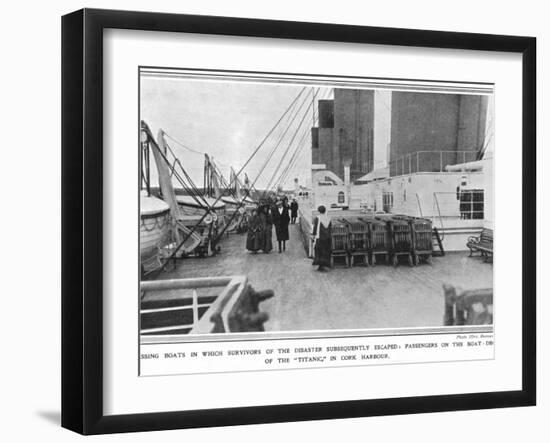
433 195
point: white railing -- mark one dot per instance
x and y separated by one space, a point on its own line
230 289
429 161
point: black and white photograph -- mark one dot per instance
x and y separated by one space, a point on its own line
279 205
275 221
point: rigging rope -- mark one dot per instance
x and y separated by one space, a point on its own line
182 145
275 172
271 155
281 137
298 150
299 146
263 167
292 161
176 250
194 151
192 189
290 106
222 181
271 131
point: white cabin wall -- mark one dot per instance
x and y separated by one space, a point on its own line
414 194
489 194
488 160
453 230
328 195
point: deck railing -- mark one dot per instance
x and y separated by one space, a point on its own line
187 300
429 161
304 221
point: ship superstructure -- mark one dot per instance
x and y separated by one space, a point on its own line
405 176
413 153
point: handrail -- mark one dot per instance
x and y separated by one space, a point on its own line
205 324
401 163
440 217
231 285
419 205
187 283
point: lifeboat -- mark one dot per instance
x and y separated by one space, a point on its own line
192 210
154 229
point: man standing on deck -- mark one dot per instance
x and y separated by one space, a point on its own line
281 219
293 211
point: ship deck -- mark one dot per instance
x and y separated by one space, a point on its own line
341 298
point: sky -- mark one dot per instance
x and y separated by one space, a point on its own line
228 120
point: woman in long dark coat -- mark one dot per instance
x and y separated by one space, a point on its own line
281 219
267 228
321 235
254 237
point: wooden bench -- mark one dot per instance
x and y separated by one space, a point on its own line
339 243
358 241
482 244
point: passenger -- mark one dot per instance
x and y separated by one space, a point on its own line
254 235
281 219
321 235
266 221
293 211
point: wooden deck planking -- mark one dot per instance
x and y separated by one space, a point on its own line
342 298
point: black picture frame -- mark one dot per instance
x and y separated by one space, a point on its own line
82 218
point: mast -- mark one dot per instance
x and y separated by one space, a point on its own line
145 162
